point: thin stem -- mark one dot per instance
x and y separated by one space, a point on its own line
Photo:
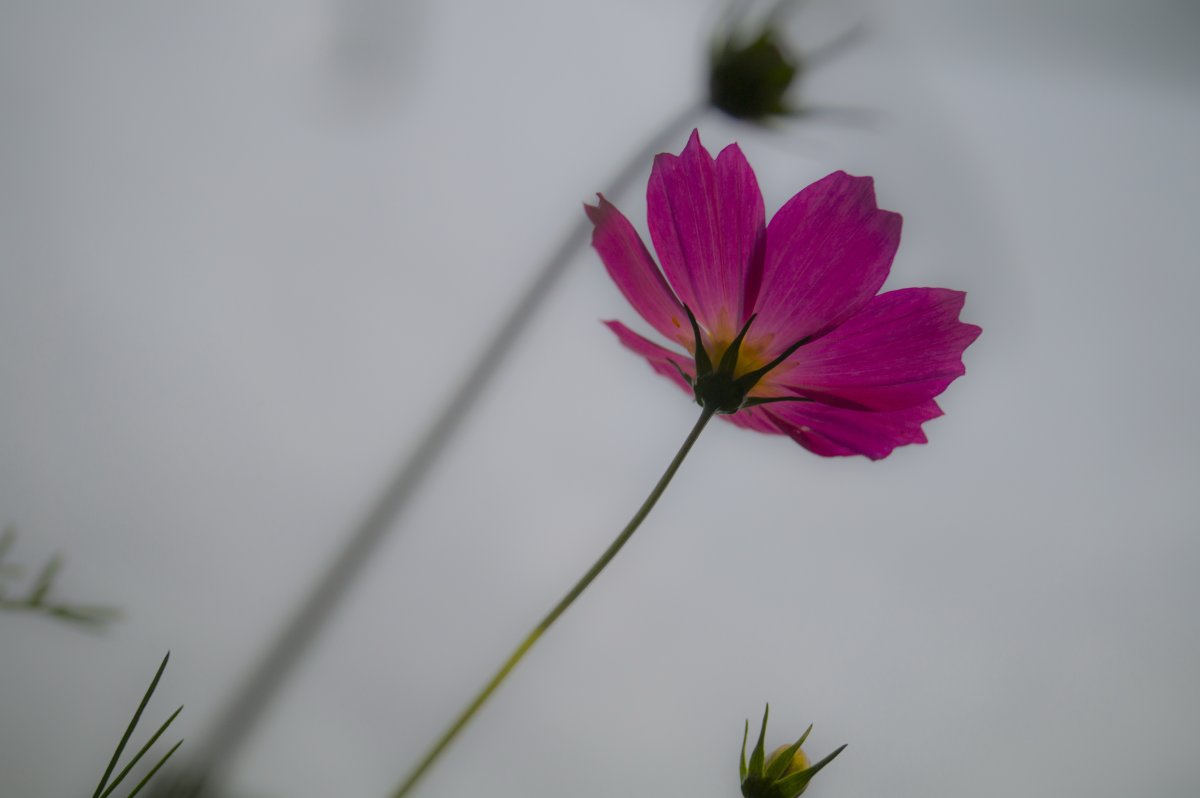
251 700
558 610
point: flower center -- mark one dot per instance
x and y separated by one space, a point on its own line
725 386
749 356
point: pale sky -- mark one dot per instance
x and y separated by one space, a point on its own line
247 251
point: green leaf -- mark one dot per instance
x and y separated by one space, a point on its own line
138 756
154 770
84 614
129 730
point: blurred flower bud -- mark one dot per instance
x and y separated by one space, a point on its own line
785 773
749 75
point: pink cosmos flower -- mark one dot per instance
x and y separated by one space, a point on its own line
781 322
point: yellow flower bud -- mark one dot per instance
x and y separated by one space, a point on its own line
785 773
799 760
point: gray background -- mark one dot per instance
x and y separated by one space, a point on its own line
245 249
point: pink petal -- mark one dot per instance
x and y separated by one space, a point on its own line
660 358
902 349
834 431
708 226
828 252
635 273
755 418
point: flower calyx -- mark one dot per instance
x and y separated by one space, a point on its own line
720 388
785 773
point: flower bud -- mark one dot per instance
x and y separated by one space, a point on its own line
799 760
785 773
749 76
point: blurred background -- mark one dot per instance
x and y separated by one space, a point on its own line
246 250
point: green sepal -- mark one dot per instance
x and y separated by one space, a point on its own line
750 379
757 756
745 737
766 400
780 765
686 377
794 784
729 359
703 362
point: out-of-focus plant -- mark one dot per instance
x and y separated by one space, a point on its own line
38 598
751 69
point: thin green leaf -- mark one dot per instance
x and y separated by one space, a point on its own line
132 724
154 770
85 614
137 757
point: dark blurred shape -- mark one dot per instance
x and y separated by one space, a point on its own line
748 80
755 66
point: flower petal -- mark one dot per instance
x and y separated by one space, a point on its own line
708 226
835 431
902 349
828 252
635 273
659 357
755 418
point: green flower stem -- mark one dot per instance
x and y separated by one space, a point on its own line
566 601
